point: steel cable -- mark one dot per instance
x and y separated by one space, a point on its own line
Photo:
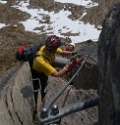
54 98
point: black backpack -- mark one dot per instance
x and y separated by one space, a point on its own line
26 54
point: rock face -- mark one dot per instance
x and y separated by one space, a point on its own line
70 96
109 69
16 102
87 77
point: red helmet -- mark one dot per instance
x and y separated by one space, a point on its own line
53 42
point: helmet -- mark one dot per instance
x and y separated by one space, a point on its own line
53 42
72 44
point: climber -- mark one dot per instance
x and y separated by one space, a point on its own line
70 47
42 64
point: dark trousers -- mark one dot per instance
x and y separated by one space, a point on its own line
43 79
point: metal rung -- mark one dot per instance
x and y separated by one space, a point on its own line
40 86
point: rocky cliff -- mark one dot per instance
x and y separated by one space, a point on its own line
16 105
109 68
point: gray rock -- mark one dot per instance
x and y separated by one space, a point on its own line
15 107
87 76
70 96
109 68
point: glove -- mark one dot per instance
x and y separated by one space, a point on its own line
76 60
74 53
79 59
69 68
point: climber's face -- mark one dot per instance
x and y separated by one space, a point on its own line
71 48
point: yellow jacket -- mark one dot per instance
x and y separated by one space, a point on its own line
43 63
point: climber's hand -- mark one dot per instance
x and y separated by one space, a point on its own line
76 60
